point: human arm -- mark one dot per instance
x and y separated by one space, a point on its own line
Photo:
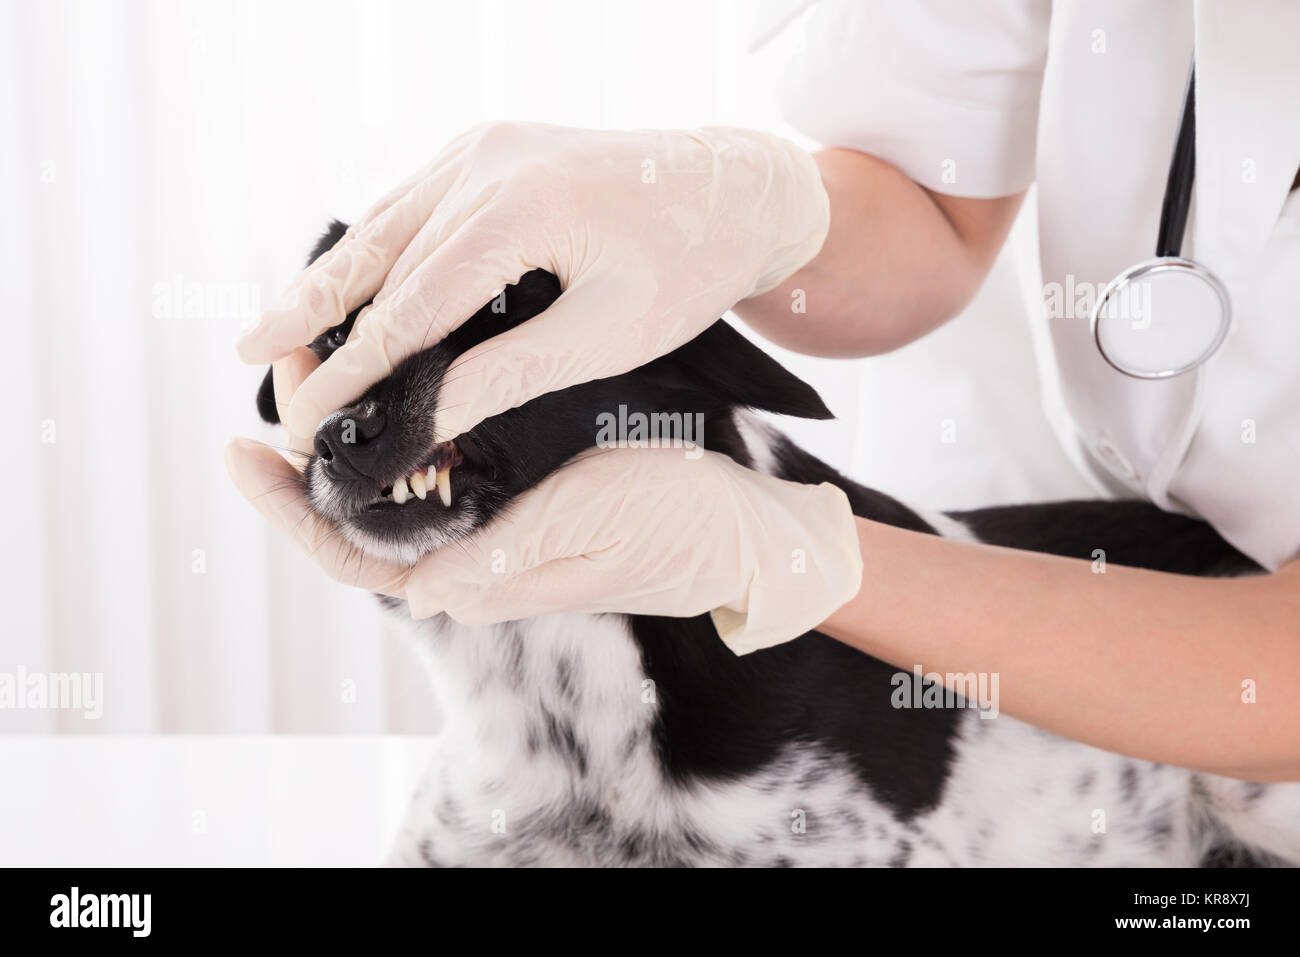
898 260
1144 663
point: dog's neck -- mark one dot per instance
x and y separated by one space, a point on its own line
568 686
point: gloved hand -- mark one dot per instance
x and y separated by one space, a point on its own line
639 531
653 235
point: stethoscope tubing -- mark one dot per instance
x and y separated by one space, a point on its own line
1182 176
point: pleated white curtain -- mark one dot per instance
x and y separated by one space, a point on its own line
165 167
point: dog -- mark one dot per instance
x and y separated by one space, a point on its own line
633 740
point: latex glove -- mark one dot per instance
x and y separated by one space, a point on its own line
274 488
643 531
653 235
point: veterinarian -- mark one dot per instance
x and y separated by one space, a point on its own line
939 117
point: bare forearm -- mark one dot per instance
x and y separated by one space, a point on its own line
1157 666
898 261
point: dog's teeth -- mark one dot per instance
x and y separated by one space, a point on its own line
418 486
443 480
399 491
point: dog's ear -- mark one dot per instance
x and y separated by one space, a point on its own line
333 233
728 369
266 400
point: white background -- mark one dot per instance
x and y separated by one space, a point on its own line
154 146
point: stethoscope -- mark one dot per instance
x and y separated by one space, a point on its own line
1167 315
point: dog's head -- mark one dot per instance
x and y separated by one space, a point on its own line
378 474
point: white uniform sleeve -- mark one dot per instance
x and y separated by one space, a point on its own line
946 90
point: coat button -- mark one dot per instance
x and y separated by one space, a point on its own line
1115 460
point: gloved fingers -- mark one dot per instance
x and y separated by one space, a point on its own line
361 361
457 280
388 200
286 375
346 276
562 347
275 489
575 513
565 547
560 584
322 297
480 232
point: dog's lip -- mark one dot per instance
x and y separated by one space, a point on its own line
443 455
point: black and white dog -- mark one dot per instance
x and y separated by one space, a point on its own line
635 740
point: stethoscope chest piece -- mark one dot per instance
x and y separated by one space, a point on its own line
1161 318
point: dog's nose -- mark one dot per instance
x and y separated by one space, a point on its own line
349 441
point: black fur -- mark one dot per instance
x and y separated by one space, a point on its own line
1128 533
724 716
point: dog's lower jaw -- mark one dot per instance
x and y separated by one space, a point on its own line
415 545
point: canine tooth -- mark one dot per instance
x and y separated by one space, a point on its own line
399 491
443 480
418 486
